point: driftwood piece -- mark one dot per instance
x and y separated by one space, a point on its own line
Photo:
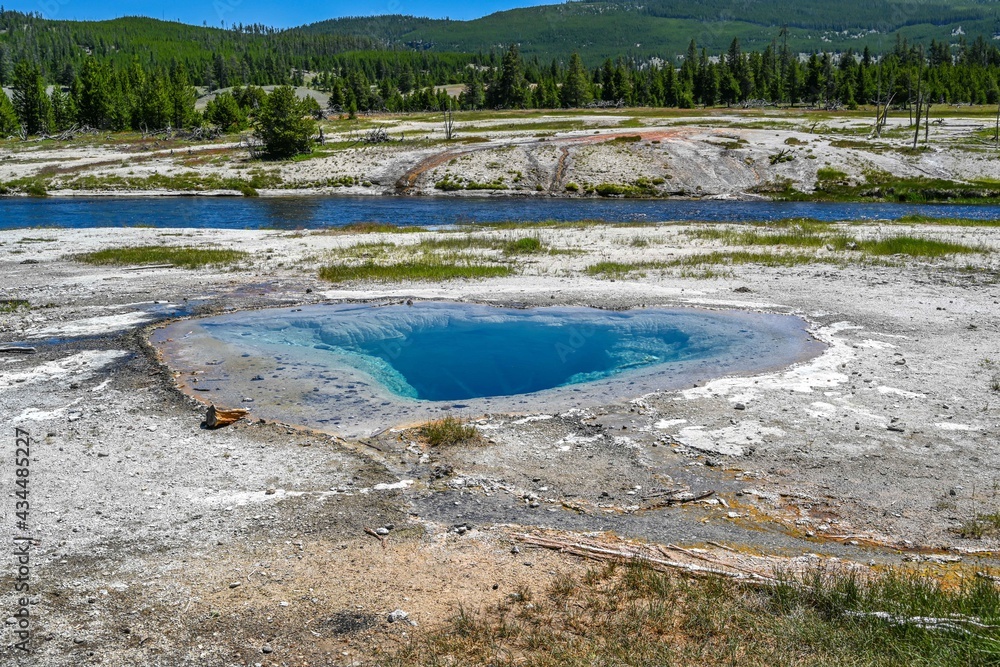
217 418
17 349
953 623
380 538
594 552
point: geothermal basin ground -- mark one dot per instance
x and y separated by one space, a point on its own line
159 541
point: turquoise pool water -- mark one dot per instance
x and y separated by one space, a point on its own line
360 367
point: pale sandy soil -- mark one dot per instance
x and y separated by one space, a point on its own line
714 155
874 451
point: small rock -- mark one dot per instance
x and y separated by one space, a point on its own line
739 406
266 648
515 549
235 584
270 491
385 531
398 615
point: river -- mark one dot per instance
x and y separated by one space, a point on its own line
320 212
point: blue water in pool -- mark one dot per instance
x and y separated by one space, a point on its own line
470 356
355 368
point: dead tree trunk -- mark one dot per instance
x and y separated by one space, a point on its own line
449 122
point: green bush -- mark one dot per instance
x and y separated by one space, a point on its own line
449 431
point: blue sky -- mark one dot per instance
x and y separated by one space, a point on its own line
280 14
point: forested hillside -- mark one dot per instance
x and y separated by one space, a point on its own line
599 29
212 57
142 74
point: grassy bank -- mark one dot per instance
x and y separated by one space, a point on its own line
189 258
633 615
428 271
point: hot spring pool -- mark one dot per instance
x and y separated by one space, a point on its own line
355 369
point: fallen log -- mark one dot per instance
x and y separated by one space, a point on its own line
17 349
217 417
600 553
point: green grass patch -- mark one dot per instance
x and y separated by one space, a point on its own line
13 305
557 224
449 431
830 174
980 526
626 139
883 186
186 257
906 245
373 228
190 181
797 238
916 219
807 238
526 245
768 259
633 615
458 242
641 188
33 186
553 125
616 270
431 270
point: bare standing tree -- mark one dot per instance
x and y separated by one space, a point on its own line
920 99
449 121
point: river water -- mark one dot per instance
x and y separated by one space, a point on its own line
319 212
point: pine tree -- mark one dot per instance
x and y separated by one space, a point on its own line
576 88
9 124
182 99
63 110
474 95
511 89
31 103
282 125
225 112
155 107
92 95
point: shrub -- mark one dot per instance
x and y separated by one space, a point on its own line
449 431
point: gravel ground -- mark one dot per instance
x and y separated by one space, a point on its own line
159 542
